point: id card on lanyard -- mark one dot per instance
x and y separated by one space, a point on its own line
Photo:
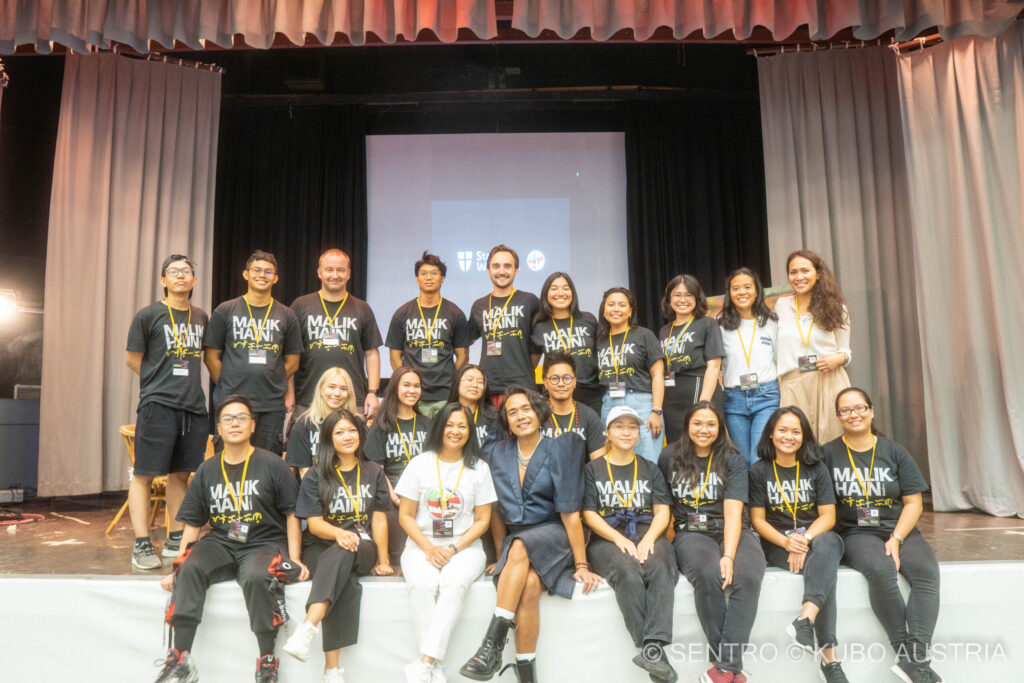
428 354
331 336
237 530
444 526
697 520
617 388
867 515
494 344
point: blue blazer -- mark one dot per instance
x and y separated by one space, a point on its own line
553 482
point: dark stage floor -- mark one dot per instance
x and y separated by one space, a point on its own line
70 538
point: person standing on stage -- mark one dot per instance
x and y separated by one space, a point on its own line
247 496
430 334
814 342
504 319
692 344
631 365
561 326
252 348
338 330
333 392
165 342
470 390
569 416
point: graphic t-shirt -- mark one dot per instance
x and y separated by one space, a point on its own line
779 506
737 344
393 448
339 336
302 442
263 499
584 422
634 351
712 496
367 488
577 336
419 482
607 496
438 332
688 348
894 475
252 363
172 364
488 429
505 321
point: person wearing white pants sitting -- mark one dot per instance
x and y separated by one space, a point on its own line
446 494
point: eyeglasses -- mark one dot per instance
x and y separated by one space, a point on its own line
472 382
683 297
269 272
241 418
564 379
847 412
174 272
628 428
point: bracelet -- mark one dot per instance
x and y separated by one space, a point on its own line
898 537
583 564
454 548
731 558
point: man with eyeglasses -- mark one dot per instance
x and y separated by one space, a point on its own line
165 342
338 330
567 415
252 348
247 496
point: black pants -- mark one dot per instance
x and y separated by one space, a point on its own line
726 626
336 573
212 560
590 395
269 431
678 400
820 568
396 538
645 592
909 624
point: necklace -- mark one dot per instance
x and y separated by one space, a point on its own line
524 460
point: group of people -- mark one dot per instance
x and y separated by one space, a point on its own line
649 456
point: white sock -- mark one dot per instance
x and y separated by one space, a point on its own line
504 613
526 656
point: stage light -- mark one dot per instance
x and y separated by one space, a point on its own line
8 304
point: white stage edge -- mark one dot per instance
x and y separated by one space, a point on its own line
91 628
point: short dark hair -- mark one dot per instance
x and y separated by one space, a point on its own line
557 357
429 259
234 398
700 307
171 259
537 404
809 452
604 326
259 255
500 248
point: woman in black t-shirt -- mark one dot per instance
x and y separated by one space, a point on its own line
471 390
350 537
878 489
334 390
793 508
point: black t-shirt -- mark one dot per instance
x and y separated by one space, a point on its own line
488 429
267 496
170 376
585 422
449 331
373 496
302 442
607 496
895 475
252 363
636 350
577 336
815 490
505 320
688 353
684 494
393 449
338 338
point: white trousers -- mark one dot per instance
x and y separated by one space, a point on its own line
436 595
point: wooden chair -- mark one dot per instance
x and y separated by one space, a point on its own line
158 493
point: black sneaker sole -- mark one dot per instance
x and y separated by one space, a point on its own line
655 674
473 676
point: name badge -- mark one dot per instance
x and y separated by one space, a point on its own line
617 390
808 363
238 531
493 347
696 521
749 381
361 530
428 355
257 356
868 516
670 378
331 340
179 368
799 530
444 528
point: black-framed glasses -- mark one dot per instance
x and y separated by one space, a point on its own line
563 379
241 418
860 410
256 270
174 272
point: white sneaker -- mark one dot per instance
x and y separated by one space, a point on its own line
299 642
419 672
437 675
333 676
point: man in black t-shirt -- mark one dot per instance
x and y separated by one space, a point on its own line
338 330
165 343
430 334
252 348
569 416
504 319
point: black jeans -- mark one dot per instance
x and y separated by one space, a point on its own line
726 626
336 573
820 568
909 624
645 592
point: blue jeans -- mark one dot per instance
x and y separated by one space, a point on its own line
648 446
746 414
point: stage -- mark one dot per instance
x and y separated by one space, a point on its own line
74 607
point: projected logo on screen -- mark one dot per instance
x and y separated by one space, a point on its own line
465 260
535 260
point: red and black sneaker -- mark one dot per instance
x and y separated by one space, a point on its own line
178 668
266 669
716 675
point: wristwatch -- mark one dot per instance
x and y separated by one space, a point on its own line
809 537
454 548
656 411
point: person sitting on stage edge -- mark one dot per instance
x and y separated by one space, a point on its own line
569 416
334 391
247 495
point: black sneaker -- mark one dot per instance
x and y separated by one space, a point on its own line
832 672
653 660
178 667
266 669
144 557
908 672
934 677
802 633
172 547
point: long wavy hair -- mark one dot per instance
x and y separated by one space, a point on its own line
700 307
471 452
326 454
318 409
545 311
686 466
388 411
827 300
729 318
809 452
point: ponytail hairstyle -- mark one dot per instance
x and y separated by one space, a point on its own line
326 455
827 301
867 399
809 452
729 318
685 465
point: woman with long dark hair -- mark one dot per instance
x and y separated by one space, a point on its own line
343 498
470 390
792 507
749 336
879 490
708 480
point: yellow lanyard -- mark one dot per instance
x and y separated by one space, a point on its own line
494 326
796 496
412 438
179 347
353 499
241 484
806 340
568 334
611 480
476 412
674 346
428 332
572 420
707 477
616 357
330 318
259 333
440 485
748 352
871 467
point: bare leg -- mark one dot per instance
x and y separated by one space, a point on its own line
331 659
528 614
315 614
809 611
828 655
177 482
138 504
513 577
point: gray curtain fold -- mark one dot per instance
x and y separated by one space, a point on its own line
133 181
963 122
836 184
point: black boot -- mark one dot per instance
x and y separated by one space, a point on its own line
484 664
526 672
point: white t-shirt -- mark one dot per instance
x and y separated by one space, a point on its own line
419 482
762 356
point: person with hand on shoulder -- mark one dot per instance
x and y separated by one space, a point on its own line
334 391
